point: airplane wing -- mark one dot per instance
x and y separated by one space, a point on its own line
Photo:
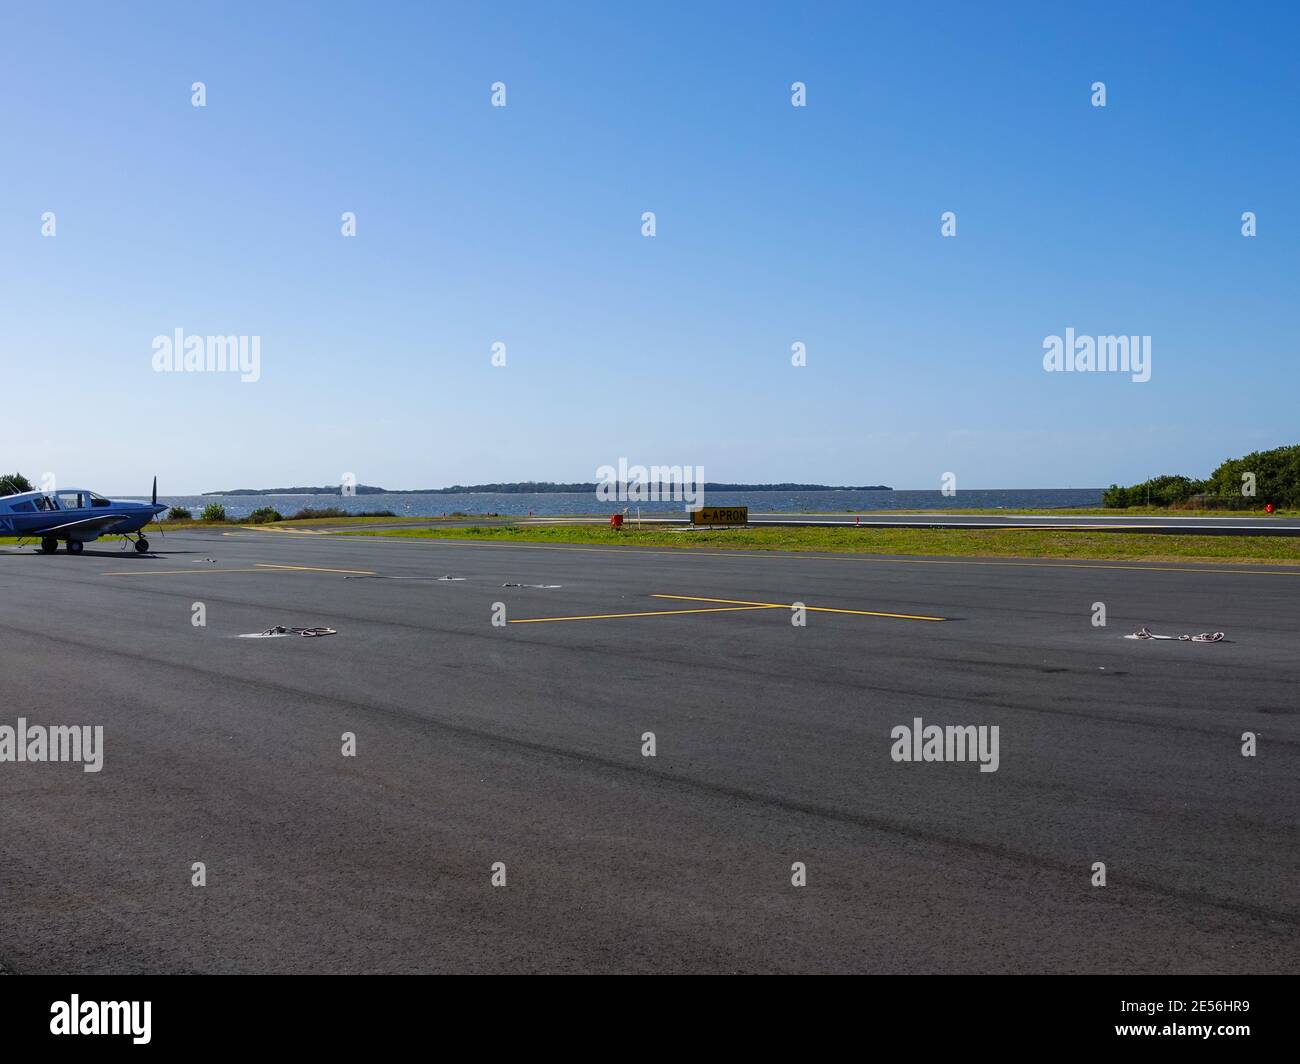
102 524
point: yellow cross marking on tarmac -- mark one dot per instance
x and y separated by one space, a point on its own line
317 569
729 606
810 609
643 613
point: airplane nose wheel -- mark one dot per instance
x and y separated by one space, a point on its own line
141 545
49 545
75 546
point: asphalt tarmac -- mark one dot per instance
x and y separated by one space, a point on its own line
521 745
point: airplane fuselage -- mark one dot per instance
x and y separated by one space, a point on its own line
72 515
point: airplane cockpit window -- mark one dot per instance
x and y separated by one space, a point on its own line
45 502
70 500
98 500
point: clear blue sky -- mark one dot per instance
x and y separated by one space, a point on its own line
522 224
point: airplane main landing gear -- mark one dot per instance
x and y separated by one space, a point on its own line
49 545
141 545
75 546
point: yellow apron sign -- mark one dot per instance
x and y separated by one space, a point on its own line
720 515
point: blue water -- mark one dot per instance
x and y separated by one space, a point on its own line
547 504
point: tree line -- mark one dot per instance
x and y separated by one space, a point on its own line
14 484
1245 483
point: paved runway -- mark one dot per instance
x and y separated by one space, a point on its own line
1254 525
522 744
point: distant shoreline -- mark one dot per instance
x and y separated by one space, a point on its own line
530 488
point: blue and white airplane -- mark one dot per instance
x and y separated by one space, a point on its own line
77 517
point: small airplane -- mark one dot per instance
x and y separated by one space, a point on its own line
77 517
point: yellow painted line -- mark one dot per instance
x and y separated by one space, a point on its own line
646 613
810 609
261 568
291 531
317 569
178 572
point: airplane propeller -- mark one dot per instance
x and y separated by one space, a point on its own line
157 517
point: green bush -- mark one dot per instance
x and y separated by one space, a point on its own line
264 515
179 513
1158 491
214 512
1277 478
311 514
